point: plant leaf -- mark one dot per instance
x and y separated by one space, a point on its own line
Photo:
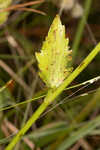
53 58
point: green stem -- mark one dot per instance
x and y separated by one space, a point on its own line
80 28
34 117
52 95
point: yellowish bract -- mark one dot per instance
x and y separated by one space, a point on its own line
53 58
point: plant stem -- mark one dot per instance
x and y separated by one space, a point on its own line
52 94
34 117
80 28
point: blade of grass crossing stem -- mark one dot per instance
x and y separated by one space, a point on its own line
43 94
52 95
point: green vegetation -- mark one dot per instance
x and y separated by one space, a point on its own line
61 117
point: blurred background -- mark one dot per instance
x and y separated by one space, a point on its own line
73 120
